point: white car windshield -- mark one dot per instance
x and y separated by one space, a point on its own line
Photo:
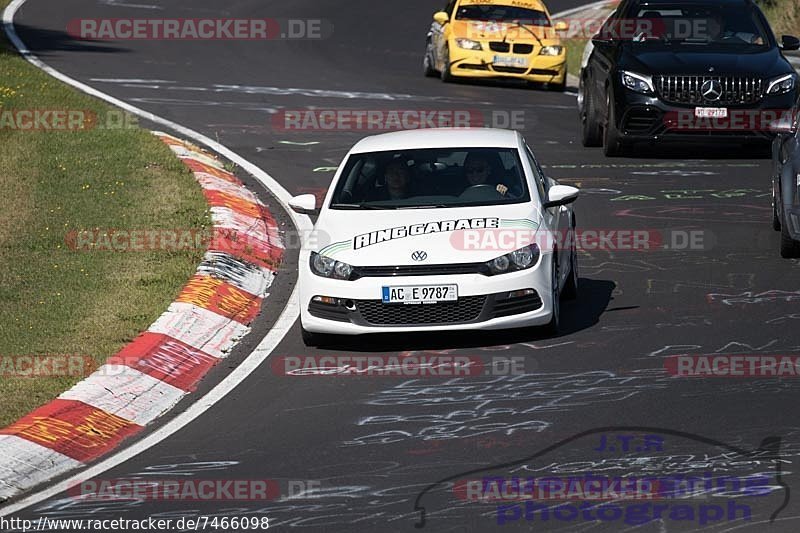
431 178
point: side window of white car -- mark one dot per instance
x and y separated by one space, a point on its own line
538 176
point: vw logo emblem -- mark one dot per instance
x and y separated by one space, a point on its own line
711 90
419 255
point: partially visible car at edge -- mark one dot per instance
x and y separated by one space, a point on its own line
649 79
786 191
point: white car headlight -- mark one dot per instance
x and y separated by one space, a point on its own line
525 257
551 50
469 44
781 84
327 267
522 258
637 82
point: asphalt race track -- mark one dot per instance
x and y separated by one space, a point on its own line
381 449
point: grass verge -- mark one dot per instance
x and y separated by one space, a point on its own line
54 300
575 48
783 16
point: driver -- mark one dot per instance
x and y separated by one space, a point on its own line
478 172
397 179
720 30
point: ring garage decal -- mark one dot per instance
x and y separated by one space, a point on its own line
425 228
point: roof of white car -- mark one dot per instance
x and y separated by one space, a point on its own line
438 138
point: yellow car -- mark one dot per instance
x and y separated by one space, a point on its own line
496 39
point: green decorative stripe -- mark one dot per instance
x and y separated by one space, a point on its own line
518 222
335 248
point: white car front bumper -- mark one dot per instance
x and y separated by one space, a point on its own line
366 314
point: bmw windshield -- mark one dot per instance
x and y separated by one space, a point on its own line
501 13
431 178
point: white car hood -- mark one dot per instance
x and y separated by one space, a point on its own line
390 237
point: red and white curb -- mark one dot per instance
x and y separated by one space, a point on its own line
163 364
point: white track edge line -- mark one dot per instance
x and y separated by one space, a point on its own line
241 372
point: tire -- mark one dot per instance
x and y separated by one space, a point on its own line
445 74
570 291
776 221
591 133
790 248
427 64
312 340
554 326
612 144
557 87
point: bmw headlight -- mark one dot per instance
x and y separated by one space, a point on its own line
781 84
525 257
469 44
329 268
551 50
637 82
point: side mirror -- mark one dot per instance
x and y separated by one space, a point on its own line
561 26
441 18
305 204
790 42
561 195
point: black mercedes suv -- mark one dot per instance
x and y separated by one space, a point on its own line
688 70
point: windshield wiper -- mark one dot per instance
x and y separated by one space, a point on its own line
521 25
362 206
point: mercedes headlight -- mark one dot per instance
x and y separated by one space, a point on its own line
637 82
551 50
781 84
525 257
329 268
469 44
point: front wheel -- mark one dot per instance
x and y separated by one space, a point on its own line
591 132
613 145
445 74
790 248
554 325
427 63
312 339
776 221
570 291
558 87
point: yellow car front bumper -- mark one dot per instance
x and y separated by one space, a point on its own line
481 64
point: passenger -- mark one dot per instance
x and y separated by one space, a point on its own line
478 171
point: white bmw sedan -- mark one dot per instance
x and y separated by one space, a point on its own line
437 229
